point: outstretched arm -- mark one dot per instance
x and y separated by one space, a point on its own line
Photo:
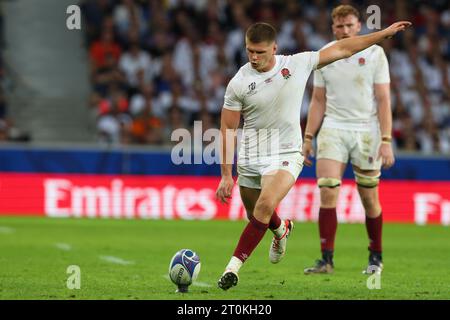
347 47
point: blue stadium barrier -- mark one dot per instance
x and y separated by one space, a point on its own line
139 162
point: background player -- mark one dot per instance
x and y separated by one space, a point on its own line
268 92
352 98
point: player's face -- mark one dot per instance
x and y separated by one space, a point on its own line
346 27
261 55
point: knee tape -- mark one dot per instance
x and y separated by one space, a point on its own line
328 182
367 181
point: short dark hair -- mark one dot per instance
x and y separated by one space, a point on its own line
261 32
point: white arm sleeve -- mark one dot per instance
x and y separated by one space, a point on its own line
310 59
382 71
231 99
318 79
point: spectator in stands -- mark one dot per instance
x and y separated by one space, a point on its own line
134 61
146 128
128 15
108 75
404 133
101 49
180 54
430 138
113 117
175 120
94 12
165 74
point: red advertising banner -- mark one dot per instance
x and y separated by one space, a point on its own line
191 197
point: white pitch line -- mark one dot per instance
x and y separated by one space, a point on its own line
116 260
6 230
202 284
63 246
196 283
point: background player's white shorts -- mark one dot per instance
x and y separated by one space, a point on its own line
249 175
361 146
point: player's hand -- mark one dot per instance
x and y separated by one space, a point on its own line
224 190
396 27
307 151
387 155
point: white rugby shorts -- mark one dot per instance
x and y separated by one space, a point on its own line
360 147
249 174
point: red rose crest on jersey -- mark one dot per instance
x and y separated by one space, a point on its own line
285 163
361 61
285 73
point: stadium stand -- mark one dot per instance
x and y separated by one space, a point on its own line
47 67
8 130
154 56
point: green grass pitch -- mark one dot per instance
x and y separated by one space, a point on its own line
128 259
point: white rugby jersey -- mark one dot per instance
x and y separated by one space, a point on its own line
349 84
270 103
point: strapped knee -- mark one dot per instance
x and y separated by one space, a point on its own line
365 181
328 182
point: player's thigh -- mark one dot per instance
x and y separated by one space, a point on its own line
275 185
249 197
248 176
329 168
364 155
331 144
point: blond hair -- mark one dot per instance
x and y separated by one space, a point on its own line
344 10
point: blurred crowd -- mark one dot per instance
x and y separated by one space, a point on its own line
4 122
8 130
161 65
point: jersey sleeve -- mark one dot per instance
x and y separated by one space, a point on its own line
231 99
319 81
310 59
382 70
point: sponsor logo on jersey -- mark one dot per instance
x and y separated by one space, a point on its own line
285 73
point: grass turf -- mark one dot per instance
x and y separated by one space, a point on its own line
32 266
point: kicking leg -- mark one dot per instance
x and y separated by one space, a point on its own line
249 197
280 228
275 186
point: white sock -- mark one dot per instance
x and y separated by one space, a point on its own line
280 230
234 265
